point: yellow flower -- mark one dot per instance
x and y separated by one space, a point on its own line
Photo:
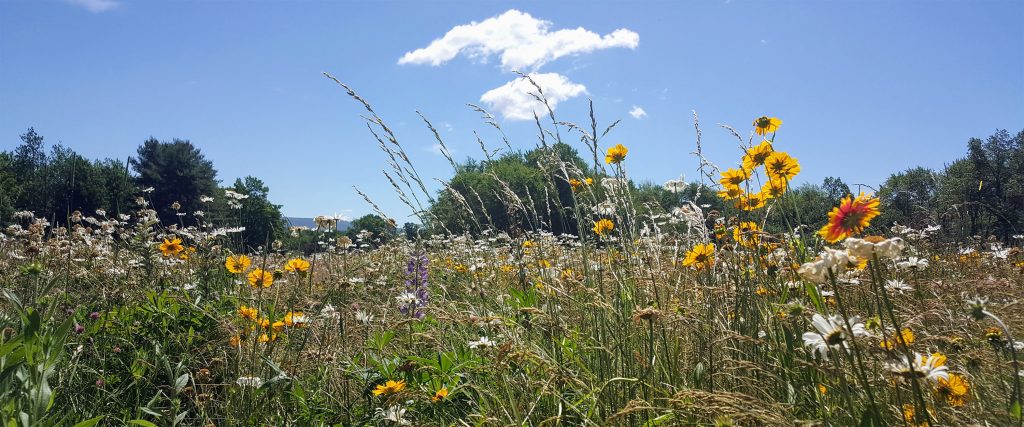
822 388
747 234
954 390
774 188
237 264
251 313
440 395
264 338
700 257
750 202
296 319
850 218
910 417
764 125
171 247
260 277
187 253
891 343
297 265
528 243
780 166
730 193
616 154
235 341
603 226
389 387
732 178
756 156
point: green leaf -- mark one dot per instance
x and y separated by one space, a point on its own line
181 382
1015 410
90 422
142 423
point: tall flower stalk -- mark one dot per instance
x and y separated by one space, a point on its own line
414 300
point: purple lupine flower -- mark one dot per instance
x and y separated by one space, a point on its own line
415 298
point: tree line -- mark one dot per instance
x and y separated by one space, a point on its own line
980 194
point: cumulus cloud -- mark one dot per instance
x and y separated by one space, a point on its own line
95 6
520 40
515 102
637 112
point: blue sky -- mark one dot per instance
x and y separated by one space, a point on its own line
863 88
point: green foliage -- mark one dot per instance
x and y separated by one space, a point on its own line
178 173
262 219
55 185
478 196
908 198
381 230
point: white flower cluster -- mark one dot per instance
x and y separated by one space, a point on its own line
829 260
862 248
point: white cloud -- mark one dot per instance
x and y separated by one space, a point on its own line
515 102
522 42
637 112
438 149
95 6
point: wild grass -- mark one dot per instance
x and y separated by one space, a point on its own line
123 320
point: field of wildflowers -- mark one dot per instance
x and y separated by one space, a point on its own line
687 317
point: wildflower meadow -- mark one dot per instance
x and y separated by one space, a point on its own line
740 315
542 282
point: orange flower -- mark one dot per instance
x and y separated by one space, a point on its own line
850 218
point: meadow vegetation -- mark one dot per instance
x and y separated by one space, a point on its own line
542 287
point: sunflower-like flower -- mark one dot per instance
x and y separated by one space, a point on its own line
907 336
700 257
774 188
764 125
732 178
440 395
603 226
171 246
260 277
237 263
297 265
295 319
757 155
388 388
779 165
750 201
850 218
251 313
747 233
954 390
616 154
730 193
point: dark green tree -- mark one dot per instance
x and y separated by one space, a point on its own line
262 219
382 230
999 170
908 198
178 172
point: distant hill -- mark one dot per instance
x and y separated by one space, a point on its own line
308 222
